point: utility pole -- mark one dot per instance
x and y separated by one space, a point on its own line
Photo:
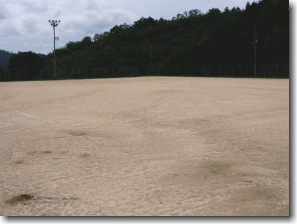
54 23
151 56
255 43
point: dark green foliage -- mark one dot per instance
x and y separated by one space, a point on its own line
25 66
2 74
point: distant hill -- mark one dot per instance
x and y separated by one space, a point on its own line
6 55
4 59
41 55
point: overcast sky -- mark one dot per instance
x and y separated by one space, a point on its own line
24 24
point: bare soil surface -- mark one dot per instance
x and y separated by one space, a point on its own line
146 146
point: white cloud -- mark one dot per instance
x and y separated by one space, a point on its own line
28 20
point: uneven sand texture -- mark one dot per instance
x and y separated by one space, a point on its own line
146 146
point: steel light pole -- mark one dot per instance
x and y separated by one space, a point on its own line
54 23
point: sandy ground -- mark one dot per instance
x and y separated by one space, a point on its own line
146 146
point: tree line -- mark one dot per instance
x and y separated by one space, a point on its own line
188 40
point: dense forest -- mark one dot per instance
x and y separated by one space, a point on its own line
217 43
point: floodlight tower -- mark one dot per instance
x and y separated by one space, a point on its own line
54 23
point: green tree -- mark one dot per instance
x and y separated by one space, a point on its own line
2 74
29 62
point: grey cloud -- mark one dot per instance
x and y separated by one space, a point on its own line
3 11
38 6
2 16
91 5
57 13
8 31
30 26
118 16
92 22
98 27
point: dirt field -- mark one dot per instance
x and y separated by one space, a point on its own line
147 146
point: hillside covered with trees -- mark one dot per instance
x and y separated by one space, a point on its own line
191 43
4 59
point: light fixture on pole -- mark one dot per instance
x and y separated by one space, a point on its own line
54 23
